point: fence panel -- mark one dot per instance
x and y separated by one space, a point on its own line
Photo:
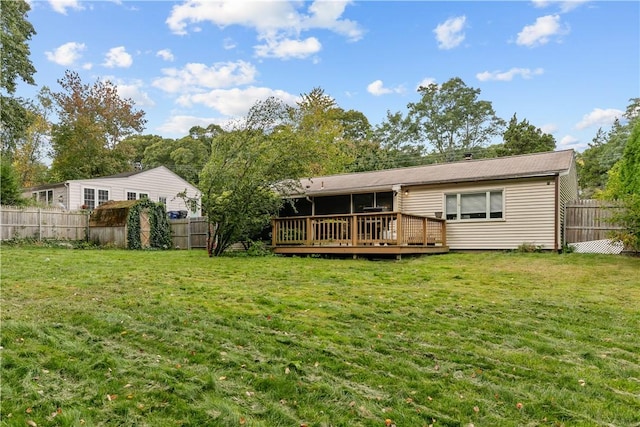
42 223
189 233
588 227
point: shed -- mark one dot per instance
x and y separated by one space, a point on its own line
131 224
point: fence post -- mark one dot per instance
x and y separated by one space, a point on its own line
39 225
189 245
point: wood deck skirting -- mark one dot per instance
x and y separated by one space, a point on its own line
391 233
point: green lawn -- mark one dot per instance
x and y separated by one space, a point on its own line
125 338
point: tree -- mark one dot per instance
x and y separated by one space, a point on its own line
605 150
251 167
524 138
28 157
624 188
9 187
15 33
93 121
452 119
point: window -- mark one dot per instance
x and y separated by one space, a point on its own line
131 195
89 198
143 196
162 200
103 196
484 205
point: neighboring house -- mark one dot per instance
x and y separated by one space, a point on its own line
498 203
158 184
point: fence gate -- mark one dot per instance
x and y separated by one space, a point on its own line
588 227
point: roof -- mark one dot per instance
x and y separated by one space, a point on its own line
524 166
116 176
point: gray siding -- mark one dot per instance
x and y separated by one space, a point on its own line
529 214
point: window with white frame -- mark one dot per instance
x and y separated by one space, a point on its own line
132 195
162 200
477 205
94 197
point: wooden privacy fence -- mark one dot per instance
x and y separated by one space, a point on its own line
58 224
43 223
189 233
588 228
588 220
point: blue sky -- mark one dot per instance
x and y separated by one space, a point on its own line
568 67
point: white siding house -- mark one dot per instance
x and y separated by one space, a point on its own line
158 184
498 203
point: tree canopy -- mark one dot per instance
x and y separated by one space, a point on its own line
452 119
93 120
249 170
15 33
524 138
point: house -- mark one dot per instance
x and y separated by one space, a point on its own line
487 204
158 184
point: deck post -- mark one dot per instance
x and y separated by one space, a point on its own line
308 237
425 231
399 231
443 230
274 232
354 231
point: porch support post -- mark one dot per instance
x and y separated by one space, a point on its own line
274 232
308 234
399 230
354 231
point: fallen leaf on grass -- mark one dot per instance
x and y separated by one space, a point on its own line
519 405
32 423
111 397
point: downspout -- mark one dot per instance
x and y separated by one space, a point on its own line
556 222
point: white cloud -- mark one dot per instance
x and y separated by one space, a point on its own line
288 48
569 141
135 92
61 6
228 44
541 32
234 102
426 82
549 128
507 76
166 54
180 124
565 6
118 57
196 77
67 54
377 89
599 117
279 23
450 33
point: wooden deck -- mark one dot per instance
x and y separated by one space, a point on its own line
367 234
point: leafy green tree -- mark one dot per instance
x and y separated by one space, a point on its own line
249 169
452 119
28 157
9 186
93 121
524 138
605 150
15 33
624 187
400 146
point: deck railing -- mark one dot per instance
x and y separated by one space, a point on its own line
385 228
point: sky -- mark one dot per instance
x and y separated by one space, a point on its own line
567 67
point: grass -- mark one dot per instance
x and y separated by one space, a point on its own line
125 338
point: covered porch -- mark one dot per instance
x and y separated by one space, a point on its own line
379 233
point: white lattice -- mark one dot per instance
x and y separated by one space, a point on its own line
604 246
